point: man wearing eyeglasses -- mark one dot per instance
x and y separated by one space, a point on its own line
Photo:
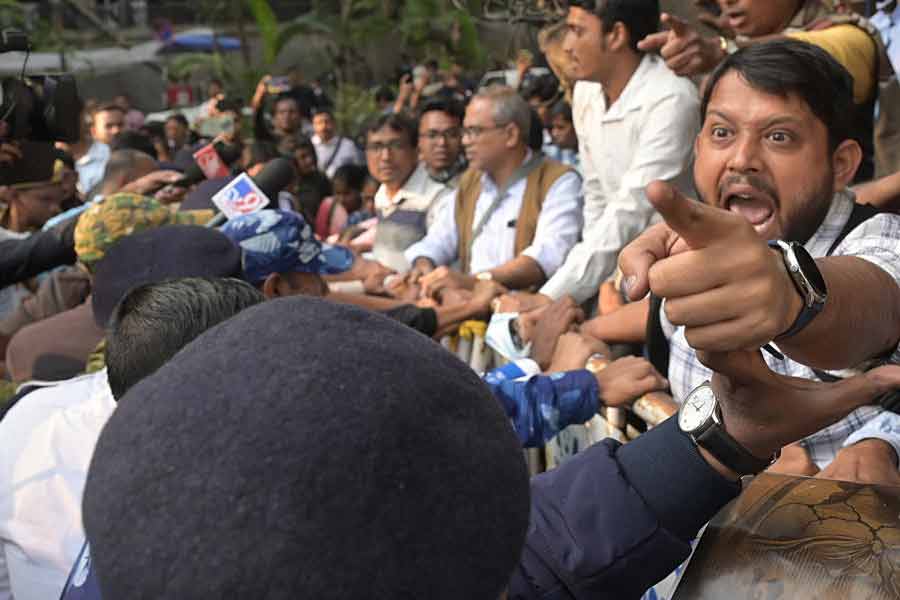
515 215
407 200
440 141
636 122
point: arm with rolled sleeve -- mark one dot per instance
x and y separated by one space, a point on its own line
559 224
441 244
543 405
613 520
663 151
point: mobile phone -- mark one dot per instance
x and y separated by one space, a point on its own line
278 85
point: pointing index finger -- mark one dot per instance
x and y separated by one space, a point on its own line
696 223
678 25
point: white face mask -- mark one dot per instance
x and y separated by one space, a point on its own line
500 339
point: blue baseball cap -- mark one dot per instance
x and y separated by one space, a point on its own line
281 241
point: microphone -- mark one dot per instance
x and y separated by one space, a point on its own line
274 177
192 175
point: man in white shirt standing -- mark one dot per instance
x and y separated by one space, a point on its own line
107 122
332 150
636 123
516 214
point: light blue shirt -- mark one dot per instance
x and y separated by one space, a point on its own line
72 212
558 228
91 166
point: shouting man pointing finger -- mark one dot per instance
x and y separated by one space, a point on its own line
777 249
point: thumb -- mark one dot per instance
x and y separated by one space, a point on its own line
739 367
698 224
678 25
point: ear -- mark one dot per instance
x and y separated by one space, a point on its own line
618 37
845 161
271 287
514 136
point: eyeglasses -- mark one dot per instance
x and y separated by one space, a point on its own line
447 135
392 146
476 132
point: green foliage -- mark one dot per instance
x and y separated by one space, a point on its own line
354 108
267 24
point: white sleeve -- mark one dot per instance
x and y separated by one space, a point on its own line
664 150
440 244
559 224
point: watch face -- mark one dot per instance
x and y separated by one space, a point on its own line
810 270
697 409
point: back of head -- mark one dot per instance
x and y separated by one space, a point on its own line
125 165
134 140
154 321
223 475
790 67
640 17
157 255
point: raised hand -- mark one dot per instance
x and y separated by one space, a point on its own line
720 280
685 51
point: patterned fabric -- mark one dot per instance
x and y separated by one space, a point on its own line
877 241
281 241
102 225
544 405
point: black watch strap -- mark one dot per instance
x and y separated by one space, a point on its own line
730 453
810 309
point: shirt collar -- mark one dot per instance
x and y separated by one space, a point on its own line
833 223
487 183
631 96
415 184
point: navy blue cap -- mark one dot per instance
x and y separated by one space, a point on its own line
307 449
155 255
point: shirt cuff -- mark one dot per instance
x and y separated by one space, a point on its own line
666 469
547 259
884 427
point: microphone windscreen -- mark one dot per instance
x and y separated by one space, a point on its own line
274 177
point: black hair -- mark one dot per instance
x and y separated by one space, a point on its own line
109 107
229 105
789 67
323 110
535 132
154 321
286 96
545 87
134 140
562 109
445 105
261 152
640 17
385 94
179 118
353 175
398 122
121 163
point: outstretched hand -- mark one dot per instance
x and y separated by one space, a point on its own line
765 411
720 279
685 51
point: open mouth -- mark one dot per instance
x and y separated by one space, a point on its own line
752 204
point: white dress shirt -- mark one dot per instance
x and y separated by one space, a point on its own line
558 227
46 443
406 217
92 166
347 154
647 134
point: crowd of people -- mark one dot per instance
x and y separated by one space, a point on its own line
260 407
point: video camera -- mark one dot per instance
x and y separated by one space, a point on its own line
39 107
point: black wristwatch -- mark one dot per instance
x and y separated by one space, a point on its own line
701 419
807 279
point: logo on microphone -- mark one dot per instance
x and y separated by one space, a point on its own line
240 197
